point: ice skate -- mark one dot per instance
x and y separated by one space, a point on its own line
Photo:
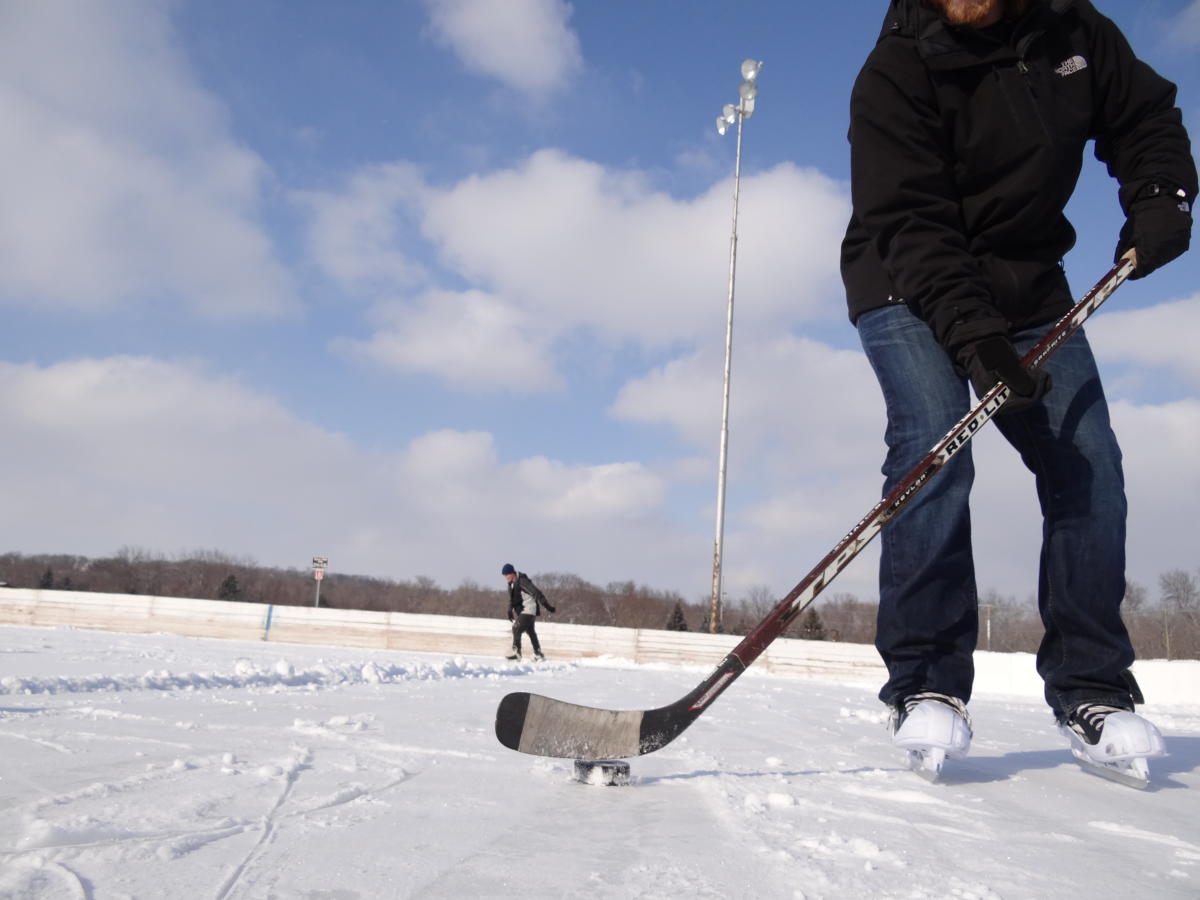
931 727
516 654
1113 742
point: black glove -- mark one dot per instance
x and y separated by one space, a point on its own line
549 608
1158 227
993 359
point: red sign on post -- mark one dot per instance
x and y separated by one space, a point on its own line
318 574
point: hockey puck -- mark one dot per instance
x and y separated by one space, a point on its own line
602 771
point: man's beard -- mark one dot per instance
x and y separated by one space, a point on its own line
972 13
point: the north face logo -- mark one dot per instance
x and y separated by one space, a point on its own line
1071 66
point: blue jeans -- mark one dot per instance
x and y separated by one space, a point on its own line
928 606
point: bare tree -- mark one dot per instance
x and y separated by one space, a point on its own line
846 618
1180 590
1135 597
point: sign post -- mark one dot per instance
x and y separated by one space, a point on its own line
319 565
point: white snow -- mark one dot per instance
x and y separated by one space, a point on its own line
152 766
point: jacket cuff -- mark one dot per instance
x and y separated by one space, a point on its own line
1153 187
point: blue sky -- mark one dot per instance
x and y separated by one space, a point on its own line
430 286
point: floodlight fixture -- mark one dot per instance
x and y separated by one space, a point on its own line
727 117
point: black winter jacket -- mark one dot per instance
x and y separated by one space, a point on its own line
966 146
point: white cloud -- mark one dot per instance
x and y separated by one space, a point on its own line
459 474
356 235
1162 483
120 180
158 453
169 457
567 493
1161 337
586 246
471 340
524 44
1184 29
805 447
795 404
573 246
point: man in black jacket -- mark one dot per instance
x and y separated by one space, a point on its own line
525 603
969 121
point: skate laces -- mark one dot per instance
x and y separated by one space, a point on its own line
1087 719
909 703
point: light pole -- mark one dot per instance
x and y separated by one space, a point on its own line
730 115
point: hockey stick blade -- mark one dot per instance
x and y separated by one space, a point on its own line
543 726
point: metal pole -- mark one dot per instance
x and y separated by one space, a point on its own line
317 602
715 608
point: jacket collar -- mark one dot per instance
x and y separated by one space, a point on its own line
943 46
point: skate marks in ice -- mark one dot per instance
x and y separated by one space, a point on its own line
1187 853
626 842
832 810
171 797
829 822
218 816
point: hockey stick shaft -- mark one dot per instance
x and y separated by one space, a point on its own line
541 725
804 593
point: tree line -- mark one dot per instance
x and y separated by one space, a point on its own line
1164 626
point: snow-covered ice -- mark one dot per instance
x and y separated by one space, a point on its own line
157 766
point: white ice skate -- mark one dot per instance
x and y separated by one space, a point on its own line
1113 742
931 727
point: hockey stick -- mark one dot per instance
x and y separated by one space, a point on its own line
532 723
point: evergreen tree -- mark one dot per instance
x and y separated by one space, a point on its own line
811 627
229 589
46 582
677 622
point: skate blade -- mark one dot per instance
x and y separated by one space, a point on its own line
927 763
1134 773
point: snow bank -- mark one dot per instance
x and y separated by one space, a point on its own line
246 673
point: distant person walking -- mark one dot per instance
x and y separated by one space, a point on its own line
525 604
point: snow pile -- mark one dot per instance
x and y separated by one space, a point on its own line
281 674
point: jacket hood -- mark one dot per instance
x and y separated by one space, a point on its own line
945 46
